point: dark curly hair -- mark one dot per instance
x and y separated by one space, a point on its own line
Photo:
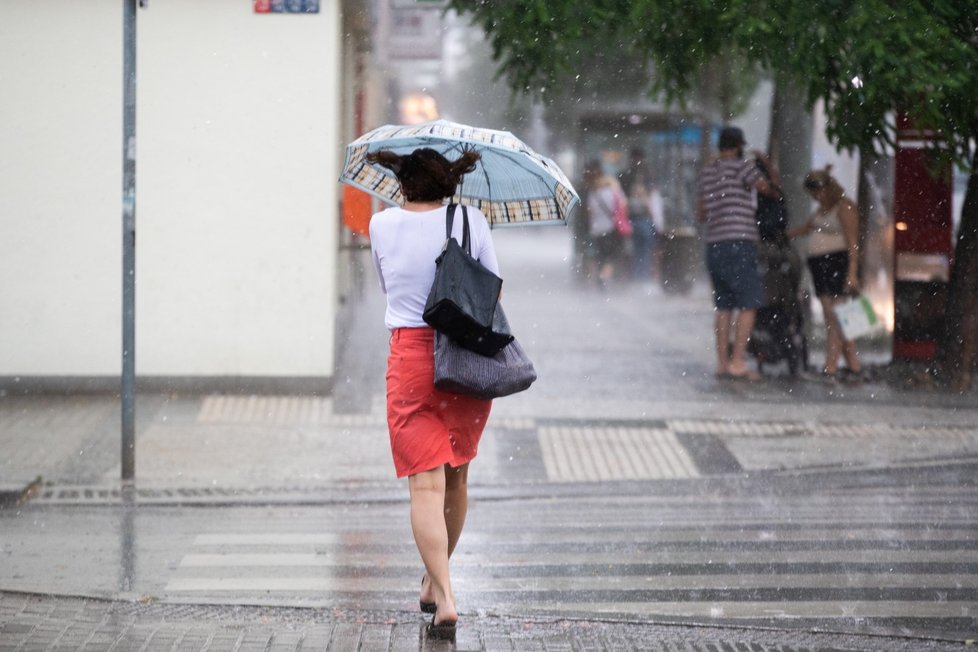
424 174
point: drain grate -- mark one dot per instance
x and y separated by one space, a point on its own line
787 429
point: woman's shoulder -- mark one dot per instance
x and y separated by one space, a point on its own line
380 221
387 215
389 212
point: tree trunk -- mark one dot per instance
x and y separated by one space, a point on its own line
790 145
864 205
957 356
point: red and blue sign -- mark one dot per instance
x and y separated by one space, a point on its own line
286 6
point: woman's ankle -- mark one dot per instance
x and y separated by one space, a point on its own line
445 614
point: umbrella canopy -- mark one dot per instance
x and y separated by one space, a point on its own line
512 184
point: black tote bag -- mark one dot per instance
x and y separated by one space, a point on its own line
463 297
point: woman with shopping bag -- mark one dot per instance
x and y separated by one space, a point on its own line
833 259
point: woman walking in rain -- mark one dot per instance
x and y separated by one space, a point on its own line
833 259
434 434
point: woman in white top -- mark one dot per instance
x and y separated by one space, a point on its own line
833 259
434 434
608 225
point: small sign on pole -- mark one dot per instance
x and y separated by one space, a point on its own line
286 6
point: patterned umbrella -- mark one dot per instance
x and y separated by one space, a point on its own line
511 185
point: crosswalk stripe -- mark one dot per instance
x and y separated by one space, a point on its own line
545 584
795 610
525 559
815 533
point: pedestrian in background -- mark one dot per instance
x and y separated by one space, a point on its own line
434 434
833 260
607 217
726 206
636 183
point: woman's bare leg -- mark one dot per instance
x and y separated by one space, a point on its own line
431 536
846 347
456 503
456 508
833 335
852 356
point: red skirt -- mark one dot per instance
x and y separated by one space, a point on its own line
428 427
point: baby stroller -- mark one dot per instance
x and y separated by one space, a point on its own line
779 329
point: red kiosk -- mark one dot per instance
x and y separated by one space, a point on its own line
923 246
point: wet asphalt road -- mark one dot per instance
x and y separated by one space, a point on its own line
629 500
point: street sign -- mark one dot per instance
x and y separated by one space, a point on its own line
286 6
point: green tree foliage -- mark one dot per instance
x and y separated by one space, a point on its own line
869 58
537 43
865 58
568 48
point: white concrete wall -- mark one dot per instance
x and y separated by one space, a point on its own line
238 152
60 187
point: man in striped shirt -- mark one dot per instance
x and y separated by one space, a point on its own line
726 206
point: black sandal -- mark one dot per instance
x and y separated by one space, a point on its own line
444 632
426 607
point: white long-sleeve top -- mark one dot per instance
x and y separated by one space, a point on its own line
405 245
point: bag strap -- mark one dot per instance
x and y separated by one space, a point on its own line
450 222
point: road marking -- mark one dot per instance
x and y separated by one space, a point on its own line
793 610
502 559
475 583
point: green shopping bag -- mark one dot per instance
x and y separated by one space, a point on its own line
857 317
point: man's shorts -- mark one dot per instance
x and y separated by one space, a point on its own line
734 272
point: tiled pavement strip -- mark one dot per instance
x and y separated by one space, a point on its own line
29 622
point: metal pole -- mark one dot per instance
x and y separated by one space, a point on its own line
129 241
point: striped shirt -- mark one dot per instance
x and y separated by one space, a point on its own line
726 188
